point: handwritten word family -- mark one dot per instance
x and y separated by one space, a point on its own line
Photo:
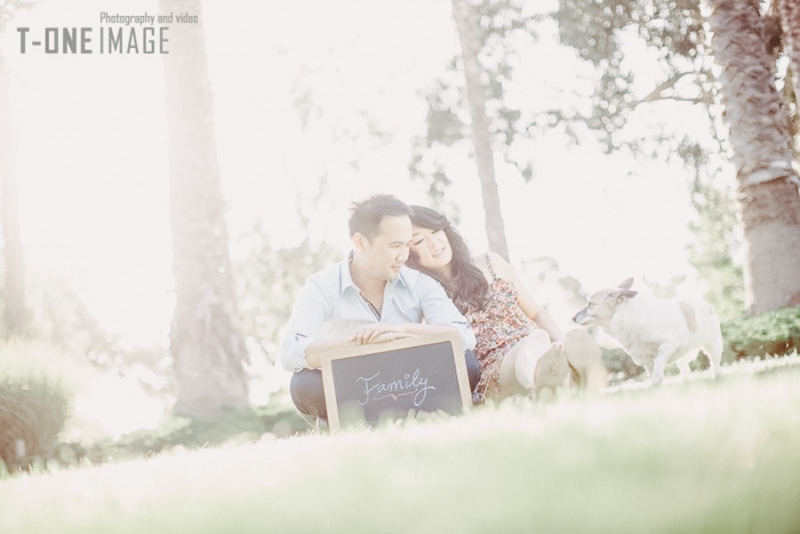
411 384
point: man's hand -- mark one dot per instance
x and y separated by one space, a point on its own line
370 333
379 333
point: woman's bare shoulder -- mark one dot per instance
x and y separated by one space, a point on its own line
500 266
480 262
500 263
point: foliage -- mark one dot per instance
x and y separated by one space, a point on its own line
675 35
613 39
62 319
717 227
83 442
63 326
776 333
605 33
505 26
33 409
723 455
9 8
674 32
620 365
269 279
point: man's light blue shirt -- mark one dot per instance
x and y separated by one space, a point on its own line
330 304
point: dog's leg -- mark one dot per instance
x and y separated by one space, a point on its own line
714 356
665 352
683 366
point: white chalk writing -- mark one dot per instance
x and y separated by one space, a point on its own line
410 384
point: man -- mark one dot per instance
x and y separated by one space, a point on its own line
371 297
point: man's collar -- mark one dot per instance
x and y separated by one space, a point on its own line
346 278
405 277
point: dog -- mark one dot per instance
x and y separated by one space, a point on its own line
655 332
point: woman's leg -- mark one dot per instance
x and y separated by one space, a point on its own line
532 364
535 363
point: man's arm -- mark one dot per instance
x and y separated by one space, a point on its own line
310 311
381 332
304 340
317 347
368 334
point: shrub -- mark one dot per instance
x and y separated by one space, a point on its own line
620 365
775 333
33 410
229 426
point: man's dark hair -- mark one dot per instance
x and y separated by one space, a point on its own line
367 214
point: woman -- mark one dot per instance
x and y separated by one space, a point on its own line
520 347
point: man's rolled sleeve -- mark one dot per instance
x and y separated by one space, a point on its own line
308 316
437 308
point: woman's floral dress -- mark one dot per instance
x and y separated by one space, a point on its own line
498 326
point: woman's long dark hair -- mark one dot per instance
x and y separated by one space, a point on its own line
468 287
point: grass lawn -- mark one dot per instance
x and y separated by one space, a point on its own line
721 457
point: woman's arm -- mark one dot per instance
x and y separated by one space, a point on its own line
538 314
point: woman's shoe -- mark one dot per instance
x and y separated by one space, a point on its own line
551 372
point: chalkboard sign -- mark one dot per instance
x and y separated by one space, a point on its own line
369 382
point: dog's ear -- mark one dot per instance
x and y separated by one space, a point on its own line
624 294
626 284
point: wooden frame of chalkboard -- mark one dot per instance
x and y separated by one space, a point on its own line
366 383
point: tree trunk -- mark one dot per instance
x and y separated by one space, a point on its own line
759 134
15 314
789 11
207 349
467 27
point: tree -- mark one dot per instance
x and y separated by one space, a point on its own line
789 12
481 137
759 134
206 346
673 35
490 32
508 37
681 78
761 141
15 312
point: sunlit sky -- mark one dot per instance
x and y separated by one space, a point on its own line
91 155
